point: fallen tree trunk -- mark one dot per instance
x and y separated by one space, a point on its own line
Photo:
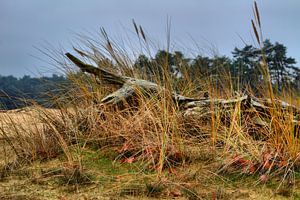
130 87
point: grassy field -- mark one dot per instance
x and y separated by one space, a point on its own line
147 147
103 167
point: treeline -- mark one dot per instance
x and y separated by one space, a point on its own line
244 69
20 92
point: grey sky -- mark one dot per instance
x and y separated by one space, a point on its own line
28 23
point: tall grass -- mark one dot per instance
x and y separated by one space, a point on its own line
277 152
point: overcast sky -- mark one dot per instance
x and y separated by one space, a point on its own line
28 23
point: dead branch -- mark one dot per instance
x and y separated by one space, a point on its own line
129 87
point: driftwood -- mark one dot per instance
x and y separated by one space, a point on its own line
129 87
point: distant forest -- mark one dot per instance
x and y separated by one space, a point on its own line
243 70
20 92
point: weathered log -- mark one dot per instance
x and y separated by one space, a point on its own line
129 87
